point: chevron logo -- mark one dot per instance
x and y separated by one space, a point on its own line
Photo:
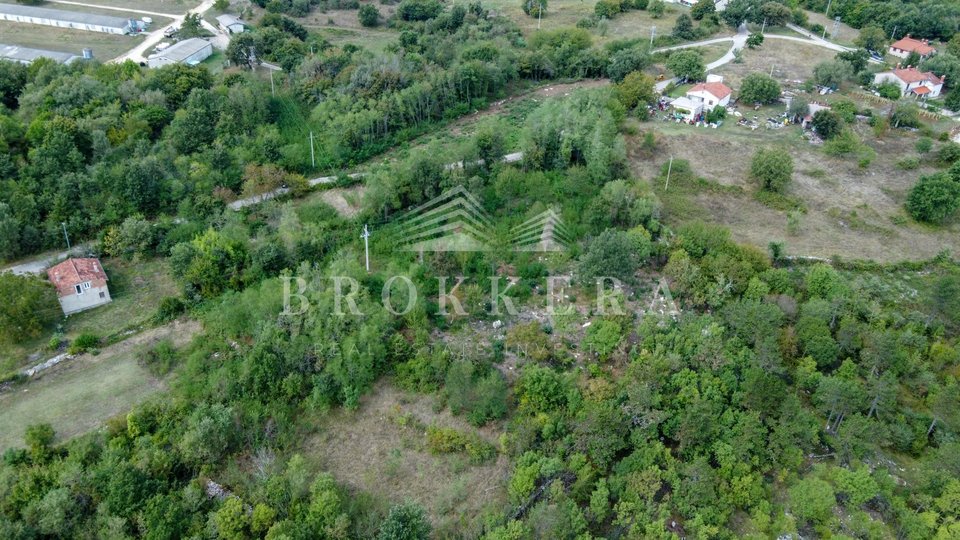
454 221
543 232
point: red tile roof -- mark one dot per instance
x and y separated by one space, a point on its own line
921 90
912 75
717 89
913 45
71 272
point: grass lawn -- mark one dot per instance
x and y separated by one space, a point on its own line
104 46
81 394
378 450
136 289
173 7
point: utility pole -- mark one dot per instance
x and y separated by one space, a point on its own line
313 160
827 12
67 238
771 70
273 90
539 15
764 27
366 245
669 170
894 34
653 32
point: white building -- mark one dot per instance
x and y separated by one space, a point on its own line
720 5
81 284
69 19
231 24
912 81
712 93
26 55
189 51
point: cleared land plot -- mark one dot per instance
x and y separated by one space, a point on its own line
137 288
80 394
370 451
851 212
104 46
790 60
845 34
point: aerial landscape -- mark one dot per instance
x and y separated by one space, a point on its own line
492 269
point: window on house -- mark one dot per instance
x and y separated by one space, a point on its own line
102 294
79 289
86 285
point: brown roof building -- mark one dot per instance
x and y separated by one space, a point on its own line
81 284
904 46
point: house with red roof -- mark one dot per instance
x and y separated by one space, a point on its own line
903 47
712 93
912 81
81 284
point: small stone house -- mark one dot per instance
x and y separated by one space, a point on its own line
81 284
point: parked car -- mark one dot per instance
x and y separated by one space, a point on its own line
169 32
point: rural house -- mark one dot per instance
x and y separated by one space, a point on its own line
703 98
907 45
912 81
189 51
231 24
81 284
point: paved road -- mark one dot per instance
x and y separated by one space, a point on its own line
42 262
138 53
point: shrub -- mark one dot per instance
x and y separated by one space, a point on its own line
607 8
368 15
160 359
84 343
772 168
533 8
759 88
405 522
170 308
443 440
934 198
419 10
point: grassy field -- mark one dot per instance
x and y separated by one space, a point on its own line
104 46
788 60
136 289
378 450
853 212
81 394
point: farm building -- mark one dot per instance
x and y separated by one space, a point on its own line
703 98
69 19
26 55
189 51
81 284
231 24
912 81
903 47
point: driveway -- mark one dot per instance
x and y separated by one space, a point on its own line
138 53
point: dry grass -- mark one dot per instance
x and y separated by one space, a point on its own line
104 46
845 34
369 451
852 212
173 7
80 394
790 60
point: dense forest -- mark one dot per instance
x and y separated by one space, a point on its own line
783 397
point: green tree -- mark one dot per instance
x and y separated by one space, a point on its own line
755 40
872 38
612 254
29 304
636 89
687 65
626 61
368 15
827 123
934 198
759 88
405 522
703 8
832 73
191 26
242 50
232 520
812 500
607 8
656 8
534 8
776 14
772 168
221 5
683 28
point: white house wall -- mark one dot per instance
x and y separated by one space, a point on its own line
74 303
